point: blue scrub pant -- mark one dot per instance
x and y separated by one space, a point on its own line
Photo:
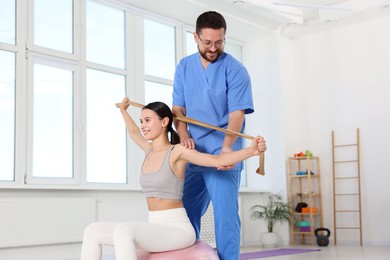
221 187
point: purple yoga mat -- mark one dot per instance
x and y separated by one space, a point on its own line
275 252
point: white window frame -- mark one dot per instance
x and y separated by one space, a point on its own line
77 122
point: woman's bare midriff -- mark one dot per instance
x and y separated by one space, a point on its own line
163 204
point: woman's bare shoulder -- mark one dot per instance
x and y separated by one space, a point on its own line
180 151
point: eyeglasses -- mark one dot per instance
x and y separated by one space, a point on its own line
209 44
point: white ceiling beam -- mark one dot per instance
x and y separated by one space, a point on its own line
357 7
312 6
292 15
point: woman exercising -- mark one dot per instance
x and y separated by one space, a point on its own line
162 180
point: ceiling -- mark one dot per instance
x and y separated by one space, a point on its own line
251 19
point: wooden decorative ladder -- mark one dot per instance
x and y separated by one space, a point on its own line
349 178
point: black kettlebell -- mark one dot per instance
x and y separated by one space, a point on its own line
322 240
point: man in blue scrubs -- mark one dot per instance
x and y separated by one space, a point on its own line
213 87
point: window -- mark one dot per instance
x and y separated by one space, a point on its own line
160 61
75 134
105 40
53 24
159 49
60 80
158 92
106 136
191 46
52 122
7 115
7 21
235 50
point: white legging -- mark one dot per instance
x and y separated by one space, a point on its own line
166 230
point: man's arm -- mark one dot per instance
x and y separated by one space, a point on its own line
236 120
182 128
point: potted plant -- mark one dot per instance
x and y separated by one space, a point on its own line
274 211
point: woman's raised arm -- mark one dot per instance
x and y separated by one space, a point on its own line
132 128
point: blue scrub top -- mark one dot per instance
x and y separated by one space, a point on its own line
209 96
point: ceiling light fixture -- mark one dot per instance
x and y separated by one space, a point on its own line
238 2
312 6
332 20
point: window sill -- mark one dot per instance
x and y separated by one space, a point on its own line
92 186
113 187
252 190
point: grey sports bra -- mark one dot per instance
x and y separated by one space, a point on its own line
163 183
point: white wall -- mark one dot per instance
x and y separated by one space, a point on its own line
262 59
337 80
343 82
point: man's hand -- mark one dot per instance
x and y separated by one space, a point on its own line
187 142
182 128
226 149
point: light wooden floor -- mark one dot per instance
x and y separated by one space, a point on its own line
72 252
335 253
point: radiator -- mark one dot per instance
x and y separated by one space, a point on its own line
42 221
207 233
207 227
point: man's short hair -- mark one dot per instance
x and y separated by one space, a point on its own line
210 19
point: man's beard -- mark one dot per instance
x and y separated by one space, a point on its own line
204 55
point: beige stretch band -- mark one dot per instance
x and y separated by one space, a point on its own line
259 170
